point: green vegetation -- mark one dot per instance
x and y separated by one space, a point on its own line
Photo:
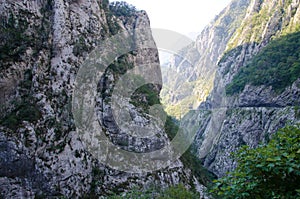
145 96
104 5
174 192
113 25
292 27
297 112
97 179
277 65
191 161
24 109
121 8
118 68
189 158
121 65
187 94
80 46
252 29
117 9
16 36
270 171
13 40
171 127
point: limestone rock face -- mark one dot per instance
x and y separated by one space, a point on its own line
189 77
43 45
251 116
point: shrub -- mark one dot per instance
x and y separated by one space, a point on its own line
24 111
145 96
121 8
270 171
80 47
25 108
173 192
13 40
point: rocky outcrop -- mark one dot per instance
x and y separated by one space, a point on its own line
253 115
193 71
43 46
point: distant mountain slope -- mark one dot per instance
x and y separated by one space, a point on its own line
256 88
187 83
277 65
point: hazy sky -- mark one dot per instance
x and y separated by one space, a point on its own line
182 16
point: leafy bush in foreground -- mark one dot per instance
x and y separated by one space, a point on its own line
271 171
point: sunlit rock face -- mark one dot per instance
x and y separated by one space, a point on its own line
253 114
189 76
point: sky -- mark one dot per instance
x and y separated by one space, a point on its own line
184 16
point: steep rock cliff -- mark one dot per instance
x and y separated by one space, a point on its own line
252 113
43 44
192 71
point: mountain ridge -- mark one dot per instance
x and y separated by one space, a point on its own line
44 46
252 115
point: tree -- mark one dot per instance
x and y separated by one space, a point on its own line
121 8
270 171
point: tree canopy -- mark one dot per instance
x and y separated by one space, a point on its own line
121 8
277 65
